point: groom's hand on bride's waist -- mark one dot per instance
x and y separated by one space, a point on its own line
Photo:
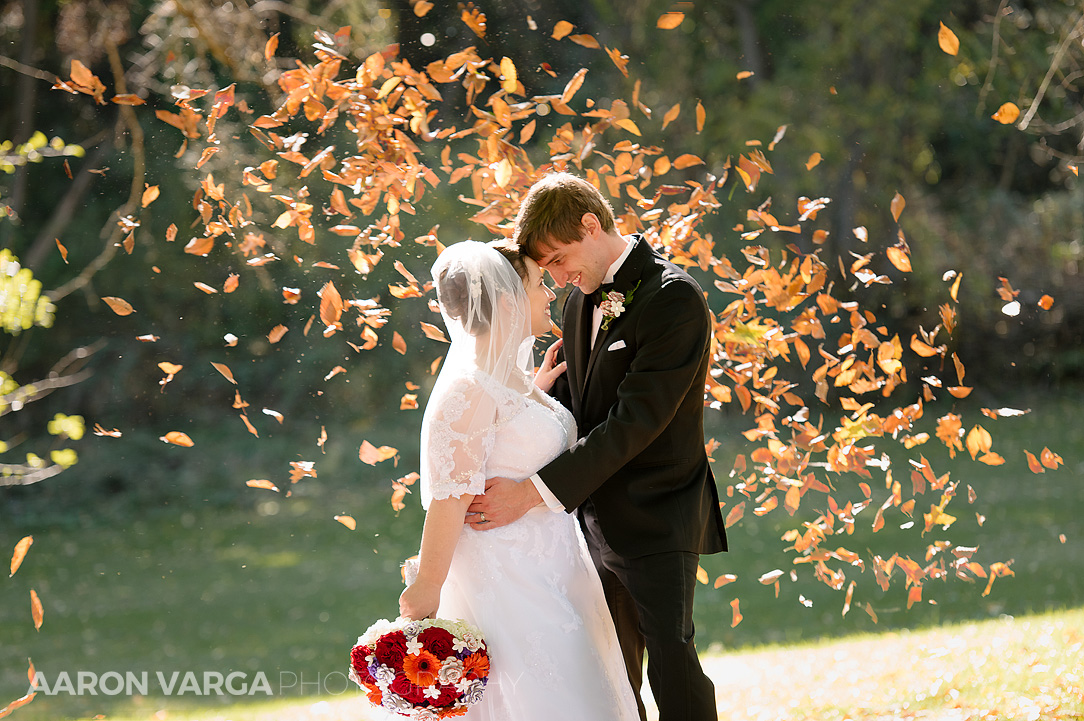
504 502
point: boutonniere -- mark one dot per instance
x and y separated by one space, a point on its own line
613 304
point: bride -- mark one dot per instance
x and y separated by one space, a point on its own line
530 586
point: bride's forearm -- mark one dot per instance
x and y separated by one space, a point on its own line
443 524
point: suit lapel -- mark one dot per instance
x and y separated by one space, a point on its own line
631 271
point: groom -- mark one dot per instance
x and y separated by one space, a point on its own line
637 335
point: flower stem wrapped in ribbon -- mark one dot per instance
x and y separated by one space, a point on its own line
423 670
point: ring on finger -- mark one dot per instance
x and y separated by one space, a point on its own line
482 518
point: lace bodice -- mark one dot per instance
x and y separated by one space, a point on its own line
527 431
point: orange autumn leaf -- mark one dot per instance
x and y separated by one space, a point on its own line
170 368
408 402
232 281
62 249
248 424
270 47
701 116
509 75
735 515
671 115
347 521
898 204
687 161
209 290
398 343
276 333
736 613
128 99
432 332
18 703
422 7
669 21
561 29
1046 302
813 161
262 483
947 40
225 371
177 438
19 554
372 455
899 258
36 610
725 579
1007 114
1050 459
150 194
587 41
978 441
701 575
1033 463
119 305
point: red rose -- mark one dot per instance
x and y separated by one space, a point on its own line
414 694
360 665
391 649
437 641
448 695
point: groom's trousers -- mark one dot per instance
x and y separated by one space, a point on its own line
651 600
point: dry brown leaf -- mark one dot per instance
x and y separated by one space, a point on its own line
119 305
1007 114
372 455
948 40
36 610
19 554
177 438
225 371
670 20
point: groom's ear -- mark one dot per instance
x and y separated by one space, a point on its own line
591 225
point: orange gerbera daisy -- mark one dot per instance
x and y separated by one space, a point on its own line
477 665
421 669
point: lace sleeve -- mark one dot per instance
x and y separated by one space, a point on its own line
457 437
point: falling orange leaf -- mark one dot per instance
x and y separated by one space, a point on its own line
398 343
225 371
432 332
1046 302
422 7
813 161
177 438
347 521
899 258
509 75
150 194
701 116
17 557
276 333
671 115
898 204
948 40
100 431
119 305
1033 463
128 99
248 424
669 21
262 483
701 575
736 615
1007 114
562 29
725 579
372 455
1050 459
36 610
270 47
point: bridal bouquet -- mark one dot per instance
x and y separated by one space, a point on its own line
424 670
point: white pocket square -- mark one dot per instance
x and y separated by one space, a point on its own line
616 345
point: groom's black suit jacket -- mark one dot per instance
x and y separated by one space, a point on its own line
638 400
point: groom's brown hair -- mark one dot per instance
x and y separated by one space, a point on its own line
552 213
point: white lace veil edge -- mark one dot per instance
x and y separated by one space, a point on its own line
487 315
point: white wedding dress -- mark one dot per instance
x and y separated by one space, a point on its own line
530 586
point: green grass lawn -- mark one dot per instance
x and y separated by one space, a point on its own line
195 572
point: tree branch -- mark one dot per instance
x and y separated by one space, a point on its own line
139 172
996 43
1054 65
